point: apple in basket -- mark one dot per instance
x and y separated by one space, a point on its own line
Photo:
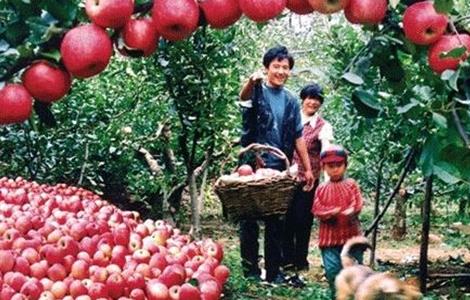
245 170
266 172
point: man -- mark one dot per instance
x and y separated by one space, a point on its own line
273 118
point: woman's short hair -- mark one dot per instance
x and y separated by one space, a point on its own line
312 90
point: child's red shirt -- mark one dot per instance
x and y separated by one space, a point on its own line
335 230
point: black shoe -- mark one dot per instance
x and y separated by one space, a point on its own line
296 282
279 279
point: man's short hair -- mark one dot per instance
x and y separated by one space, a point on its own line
277 53
312 90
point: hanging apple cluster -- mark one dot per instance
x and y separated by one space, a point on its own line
424 26
87 49
63 242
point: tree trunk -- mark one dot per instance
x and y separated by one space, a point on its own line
195 213
378 186
423 256
202 190
463 205
399 226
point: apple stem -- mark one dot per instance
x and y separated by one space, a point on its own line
454 30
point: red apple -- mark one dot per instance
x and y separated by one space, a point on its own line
189 292
135 281
16 104
422 24
245 170
262 10
98 290
56 272
221 13
59 289
115 285
86 50
210 289
328 6
175 19
445 44
366 11
301 7
213 249
174 292
77 288
32 289
140 34
137 294
22 265
109 13
79 269
141 256
156 290
7 261
221 273
46 82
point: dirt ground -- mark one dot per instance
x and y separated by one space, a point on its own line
391 256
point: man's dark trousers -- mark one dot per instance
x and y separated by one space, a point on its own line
249 246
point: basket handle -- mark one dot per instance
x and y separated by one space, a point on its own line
258 148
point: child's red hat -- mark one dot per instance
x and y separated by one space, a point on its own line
333 153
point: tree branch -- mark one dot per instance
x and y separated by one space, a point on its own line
458 123
82 171
152 162
406 168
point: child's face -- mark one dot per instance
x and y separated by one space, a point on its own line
335 170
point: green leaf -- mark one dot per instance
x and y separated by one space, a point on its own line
353 78
439 119
54 55
393 70
451 77
447 172
366 104
16 32
407 107
443 6
428 156
454 53
63 10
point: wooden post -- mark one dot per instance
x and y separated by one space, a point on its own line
423 256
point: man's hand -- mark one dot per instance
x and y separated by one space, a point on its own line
257 76
309 181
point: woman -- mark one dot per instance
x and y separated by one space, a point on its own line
317 134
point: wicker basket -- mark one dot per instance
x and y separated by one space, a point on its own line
257 198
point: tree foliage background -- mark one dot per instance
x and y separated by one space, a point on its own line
180 104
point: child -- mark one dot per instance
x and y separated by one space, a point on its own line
337 205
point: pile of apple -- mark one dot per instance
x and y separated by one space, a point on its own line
86 49
245 173
64 242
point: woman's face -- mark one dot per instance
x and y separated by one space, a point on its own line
310 106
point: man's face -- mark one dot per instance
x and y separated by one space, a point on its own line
310 106
278 72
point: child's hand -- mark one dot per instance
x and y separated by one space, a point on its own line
348 211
